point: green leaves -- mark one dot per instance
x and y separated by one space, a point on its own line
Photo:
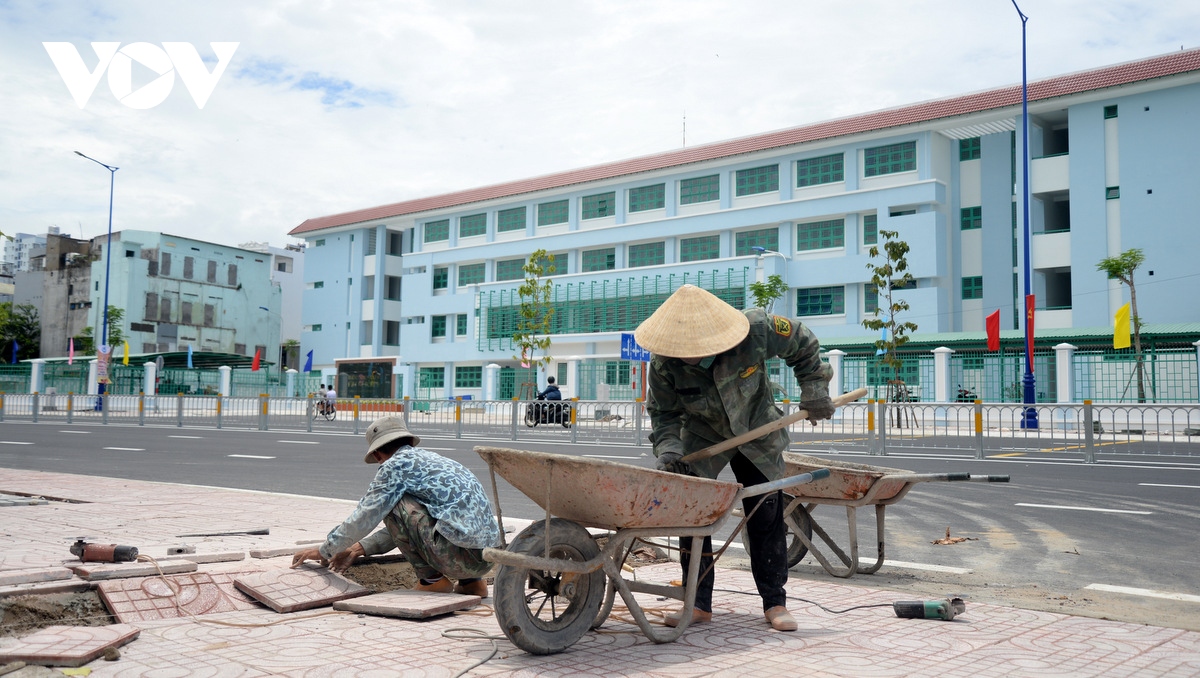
888 276
765 293
533 328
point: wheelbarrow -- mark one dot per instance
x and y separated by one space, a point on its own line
853 486
555 583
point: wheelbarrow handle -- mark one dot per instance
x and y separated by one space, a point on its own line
782 483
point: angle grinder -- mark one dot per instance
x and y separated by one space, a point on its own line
103 553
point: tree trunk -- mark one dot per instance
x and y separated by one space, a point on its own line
1137 341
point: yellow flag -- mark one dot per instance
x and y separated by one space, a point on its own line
1121 328
126 360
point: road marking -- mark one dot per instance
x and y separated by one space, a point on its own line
188 437
1190 487
13 442
249 456
1185 597
126 449
300 442
611 456
918 566
83 432
1086 508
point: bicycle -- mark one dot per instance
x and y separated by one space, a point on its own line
325 410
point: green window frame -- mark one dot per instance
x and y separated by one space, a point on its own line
820 301
1112 192
821 235
699 249
827 169
890 159
437 231
562 369
699 189
870 299
510 269
437 326
316 327
599 260
441 278
599 205
460 325
645 198
556 212
972 287
320 242
971 218
431 377
767 238
319 284
757 180
1110 111
468 376
473 225
968 149
870 229
510 220
470 274
647 254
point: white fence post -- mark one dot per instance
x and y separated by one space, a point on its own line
226 373
291 384
37 372
836 358
149 385
1064 364
1197 345
941 374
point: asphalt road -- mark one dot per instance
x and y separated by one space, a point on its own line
1038 541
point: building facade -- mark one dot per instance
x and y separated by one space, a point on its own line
428 286
287 273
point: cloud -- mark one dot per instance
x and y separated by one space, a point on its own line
336 92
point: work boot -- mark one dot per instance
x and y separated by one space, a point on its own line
474 587
442 585
698 617
780 618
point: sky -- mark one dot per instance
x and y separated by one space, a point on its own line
326 107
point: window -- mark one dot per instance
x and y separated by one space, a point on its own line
699 249
367 332
189 267
316 327
239 349
368 287
1110 111
129 254
437 326
870 229
599 205
431 377
281 267
890 159
821 235
767 238
210 313
552 212
870 299
700 189
318 243
972 287
1112 193
232 279
395 243
647 198
164 310
562 374
151 306
820 301
900 212
165 269
826 169
511 220
476 224
391 287
971 217
468 376
391 332
968 149
757 180
185 313
372 242
646 254
460 325
470 274
616 373
510 269
318 284
599 260
437 231
441 278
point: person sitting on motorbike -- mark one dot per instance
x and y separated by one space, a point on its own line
551 412
551 392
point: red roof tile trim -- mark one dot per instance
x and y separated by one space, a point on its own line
1073 83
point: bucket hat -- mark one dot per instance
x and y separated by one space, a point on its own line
692 323
383 431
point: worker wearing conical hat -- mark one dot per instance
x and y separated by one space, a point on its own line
708 383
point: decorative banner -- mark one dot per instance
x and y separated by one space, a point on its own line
125 360
1121 327
993 330
16 347
71 351
308 363
254 365
103 356
1030 302
189 356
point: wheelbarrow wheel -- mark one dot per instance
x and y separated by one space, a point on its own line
796 548
542 611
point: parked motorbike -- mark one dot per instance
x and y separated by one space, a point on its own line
965 395
545 411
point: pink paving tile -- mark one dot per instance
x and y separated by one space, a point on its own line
101 571
216 557
408 604
263 552
67 645
68 586
136 600
303 588
11 577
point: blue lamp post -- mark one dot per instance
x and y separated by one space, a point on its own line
112 178
1030 418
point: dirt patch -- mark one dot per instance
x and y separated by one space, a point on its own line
380 577
22 615
643 554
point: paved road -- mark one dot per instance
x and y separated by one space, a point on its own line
1058 527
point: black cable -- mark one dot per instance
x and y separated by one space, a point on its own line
810 602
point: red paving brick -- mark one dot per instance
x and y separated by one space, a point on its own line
102 571
408 604
304 588
182 595
67 645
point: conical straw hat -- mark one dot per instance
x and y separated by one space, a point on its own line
692 323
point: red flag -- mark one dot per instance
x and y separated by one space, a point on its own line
993 330
254 365
1029 308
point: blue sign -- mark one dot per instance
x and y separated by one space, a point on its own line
630 349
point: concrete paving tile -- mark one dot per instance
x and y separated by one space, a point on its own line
67 645
11 577
193 594
275 552
303 588
215 557
68 586
408 604
102 571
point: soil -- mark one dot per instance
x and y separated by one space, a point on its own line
22 615
380 577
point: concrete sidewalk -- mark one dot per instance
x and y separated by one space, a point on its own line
988 640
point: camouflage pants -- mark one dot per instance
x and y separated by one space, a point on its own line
428 551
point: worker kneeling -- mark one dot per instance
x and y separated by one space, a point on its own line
708 383
433 509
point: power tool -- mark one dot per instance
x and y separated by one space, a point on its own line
103 553
946 608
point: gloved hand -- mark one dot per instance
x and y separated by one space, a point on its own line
814 396
821 408
672 462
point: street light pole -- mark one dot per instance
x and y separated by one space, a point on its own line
1030 418
112 180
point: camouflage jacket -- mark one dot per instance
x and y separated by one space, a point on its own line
692 407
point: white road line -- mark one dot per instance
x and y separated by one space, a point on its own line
918 566
83 432
610 456
1190 487
13 442
188 437
300 442
248 456
126 449
1185 597
1085 508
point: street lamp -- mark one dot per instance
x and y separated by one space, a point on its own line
1030 418
112 178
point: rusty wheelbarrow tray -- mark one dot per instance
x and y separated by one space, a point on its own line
850 485
555 583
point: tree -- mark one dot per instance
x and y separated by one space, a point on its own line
19 324
536 311
887 277
85 342
291 352
765 293
1122 267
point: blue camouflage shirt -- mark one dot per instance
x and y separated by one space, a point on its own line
450 492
